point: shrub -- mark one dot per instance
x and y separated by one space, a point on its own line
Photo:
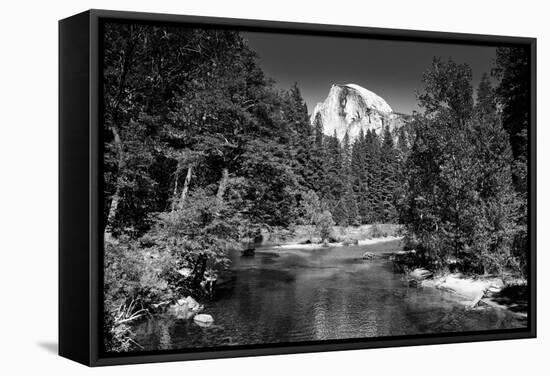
135 278
324 224
376 232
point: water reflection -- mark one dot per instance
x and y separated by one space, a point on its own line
296 295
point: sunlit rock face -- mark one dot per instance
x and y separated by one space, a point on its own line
350 108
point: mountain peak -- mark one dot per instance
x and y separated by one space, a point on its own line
350 108
371 99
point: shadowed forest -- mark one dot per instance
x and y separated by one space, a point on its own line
203 155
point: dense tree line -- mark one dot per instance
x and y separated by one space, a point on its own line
198 147
359 180
465 191
189 111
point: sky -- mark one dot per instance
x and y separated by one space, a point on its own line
391 69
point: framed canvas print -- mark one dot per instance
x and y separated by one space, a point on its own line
237 187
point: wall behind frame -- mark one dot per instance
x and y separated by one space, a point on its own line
29 191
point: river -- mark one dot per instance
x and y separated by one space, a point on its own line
295 295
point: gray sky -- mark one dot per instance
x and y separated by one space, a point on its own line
391 69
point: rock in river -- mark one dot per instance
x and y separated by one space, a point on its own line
420 274
203 320
368 256
185 308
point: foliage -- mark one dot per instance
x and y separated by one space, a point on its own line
311 212
324 225
376 231
460 203
512 69
133 280
203 227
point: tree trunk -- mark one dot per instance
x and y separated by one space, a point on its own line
185 186
222 186
199 269
175 194
115 200
114 110
113 209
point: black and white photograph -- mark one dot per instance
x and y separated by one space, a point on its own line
244 188
264 188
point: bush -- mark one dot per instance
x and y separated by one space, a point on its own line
376 232
135 278
135 273
324 224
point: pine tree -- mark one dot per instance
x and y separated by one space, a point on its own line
388 176
335 181
318 130
349 200
358 179
302 138
318 166
512 94
460 199
402 144
501 205
439 170
373 173
513 71
403 151
346 154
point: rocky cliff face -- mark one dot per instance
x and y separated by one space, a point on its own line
350 108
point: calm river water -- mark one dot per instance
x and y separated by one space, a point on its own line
307 295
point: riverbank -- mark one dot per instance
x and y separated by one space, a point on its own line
473 292
307 235
476 292
294 295
293 272
307 246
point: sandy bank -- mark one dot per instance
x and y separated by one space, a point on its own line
473 292
339 244
301 234
471 289
379 240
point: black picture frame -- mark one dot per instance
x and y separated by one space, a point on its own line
80 197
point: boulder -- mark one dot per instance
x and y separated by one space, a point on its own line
203 320
469 288
368 256
185 272
248 252
416 277
181 311
185 308
193 304
477 298
420 274
494 289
